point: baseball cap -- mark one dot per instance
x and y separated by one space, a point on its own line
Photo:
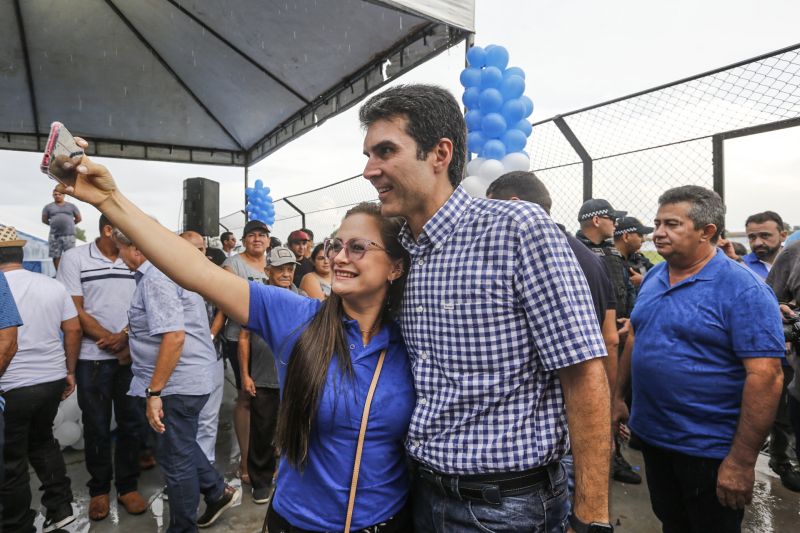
597 207
254 225
631 225
297 236
281 255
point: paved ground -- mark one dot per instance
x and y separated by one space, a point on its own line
774 510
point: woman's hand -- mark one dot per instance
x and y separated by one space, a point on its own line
249 386
93 183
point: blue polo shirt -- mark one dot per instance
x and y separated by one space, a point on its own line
687 370
316 499
755 264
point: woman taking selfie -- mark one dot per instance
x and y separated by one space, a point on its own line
330 355
317 284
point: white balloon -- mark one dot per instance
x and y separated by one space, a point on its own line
516 161
474 165
68 433
474 186
491 169
113 425
72 412
79 444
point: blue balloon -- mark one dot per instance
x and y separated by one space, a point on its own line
259 184
491 77
473 119
249 190
494 149
490 101
476 56
524 126
471 97
493 125
513 110
528 105
475 141
497 56
514 71
471 77
514 140
512 87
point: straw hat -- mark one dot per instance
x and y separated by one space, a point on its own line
8 237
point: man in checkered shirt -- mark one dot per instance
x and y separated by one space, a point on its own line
501 332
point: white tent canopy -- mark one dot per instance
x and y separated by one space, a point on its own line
222 82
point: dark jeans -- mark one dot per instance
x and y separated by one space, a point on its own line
101 386
794 416
544 509
782 427
263 419
186 468
29 416
683 493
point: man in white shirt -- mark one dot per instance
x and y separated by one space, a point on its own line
41 374
101 286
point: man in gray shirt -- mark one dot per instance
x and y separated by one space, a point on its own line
61 216
173 368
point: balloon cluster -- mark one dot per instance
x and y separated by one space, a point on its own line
497 117
68 426
259 204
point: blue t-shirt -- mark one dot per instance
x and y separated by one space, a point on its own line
755 264
316 499
687 373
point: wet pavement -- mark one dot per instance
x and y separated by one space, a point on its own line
775 509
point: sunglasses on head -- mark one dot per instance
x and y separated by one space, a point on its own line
354 249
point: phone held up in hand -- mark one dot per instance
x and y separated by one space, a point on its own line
62 155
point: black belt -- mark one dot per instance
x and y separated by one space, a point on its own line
487 488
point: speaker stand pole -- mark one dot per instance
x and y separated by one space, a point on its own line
246 183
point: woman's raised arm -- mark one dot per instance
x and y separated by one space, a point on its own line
174 256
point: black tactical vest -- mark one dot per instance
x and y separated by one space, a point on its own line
620 280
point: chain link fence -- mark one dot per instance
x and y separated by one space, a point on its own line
628 150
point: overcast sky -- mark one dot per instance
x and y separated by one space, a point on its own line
575 53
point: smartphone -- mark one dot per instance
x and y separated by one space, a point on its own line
61 148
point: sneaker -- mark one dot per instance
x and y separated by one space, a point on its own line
214 510
261 495
623 472
790 478
58 520
164 495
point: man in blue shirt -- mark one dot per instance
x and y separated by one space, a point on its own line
501 332
173 363
703 357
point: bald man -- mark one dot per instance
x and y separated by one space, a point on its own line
209 417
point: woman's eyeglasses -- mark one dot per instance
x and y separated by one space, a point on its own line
354 249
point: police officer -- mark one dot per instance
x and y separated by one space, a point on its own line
598 223
628 239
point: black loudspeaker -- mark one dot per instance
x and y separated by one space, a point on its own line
201 206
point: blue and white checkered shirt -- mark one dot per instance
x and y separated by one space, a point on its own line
494 305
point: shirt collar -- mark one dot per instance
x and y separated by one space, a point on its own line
145 267
442 224
708 272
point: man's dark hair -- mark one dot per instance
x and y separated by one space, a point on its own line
706 206
766 216
524 185
431 112
739 248
11 254
310 233
274 242
103 223
225 236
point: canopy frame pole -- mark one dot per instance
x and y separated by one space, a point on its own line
31 91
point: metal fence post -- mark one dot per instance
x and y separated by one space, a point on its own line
718 158
586 159
302 215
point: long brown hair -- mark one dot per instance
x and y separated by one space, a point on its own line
307 371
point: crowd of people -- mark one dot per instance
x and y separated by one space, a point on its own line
440 363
